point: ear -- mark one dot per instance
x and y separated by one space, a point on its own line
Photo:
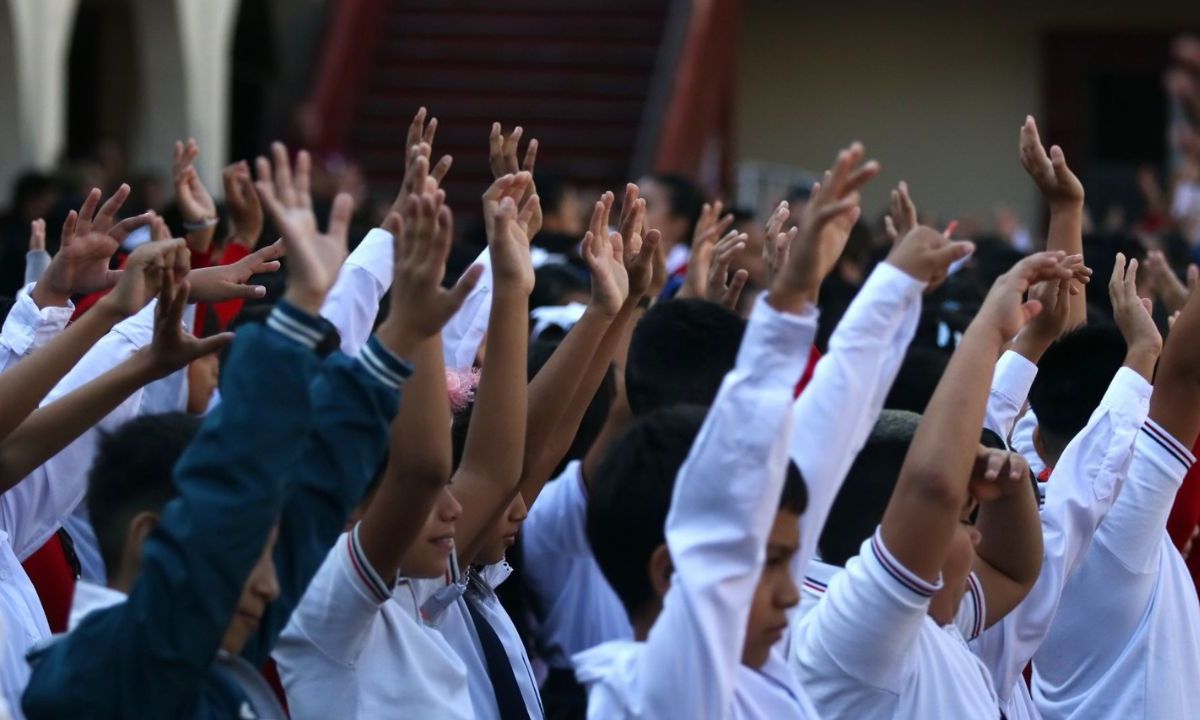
660 569
140 528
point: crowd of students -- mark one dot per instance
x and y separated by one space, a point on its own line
635 467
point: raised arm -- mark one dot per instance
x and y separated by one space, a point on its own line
1064 195
492 458
834 415
419 462
932 490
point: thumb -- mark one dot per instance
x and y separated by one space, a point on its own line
1030 310
210 345
1193 276
464 286
954 251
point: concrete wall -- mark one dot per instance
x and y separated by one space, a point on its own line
937 90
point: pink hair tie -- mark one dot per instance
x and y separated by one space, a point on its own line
460 387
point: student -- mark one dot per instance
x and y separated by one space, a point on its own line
199 582
383 589
1089 468
723 608
1132 581
909 659
673 207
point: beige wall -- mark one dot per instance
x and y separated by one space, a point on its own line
936 90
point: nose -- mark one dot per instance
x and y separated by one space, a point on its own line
267 584
450 508
787 595
518 511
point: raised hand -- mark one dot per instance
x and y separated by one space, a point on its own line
1005 311
145 272
196 205
840 184
173 347
37 235
502 151
228 282
832 212
778 242
1058 184
1166 284
89 240
245 210
508 230
709 229
1133 314
997 474
902 214
642 256
926 254
605 255
314 258
720 287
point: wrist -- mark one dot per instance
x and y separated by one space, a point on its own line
1031 346
1065 205
110 308
398 339
598 310
44 296
308 301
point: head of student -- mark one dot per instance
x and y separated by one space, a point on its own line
130 486
673 205
627 513
860 504
680 353
1073 376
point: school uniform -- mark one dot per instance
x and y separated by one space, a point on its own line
500 676
1086 482
360 647
290 447
1125 642
29 327
868 648
721 513
577 608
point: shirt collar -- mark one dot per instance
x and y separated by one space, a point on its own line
89 598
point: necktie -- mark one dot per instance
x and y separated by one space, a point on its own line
499 669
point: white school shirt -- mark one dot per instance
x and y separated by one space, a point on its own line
1126 641
29 327
355 648
722 509
868 649
33 510
1086 482
1022 442
459 630
579 609
366 276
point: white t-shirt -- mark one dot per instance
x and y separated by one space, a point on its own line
1126 640
578 608
355 648
868 649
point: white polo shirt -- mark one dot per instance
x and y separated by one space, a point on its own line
721 513
459 630
1126 640
1086 482
355 648
868 649
578 609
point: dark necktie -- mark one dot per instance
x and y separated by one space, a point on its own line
499 669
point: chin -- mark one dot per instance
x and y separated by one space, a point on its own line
755 658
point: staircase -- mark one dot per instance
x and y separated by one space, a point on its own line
576 74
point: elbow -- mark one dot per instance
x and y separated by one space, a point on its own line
935 488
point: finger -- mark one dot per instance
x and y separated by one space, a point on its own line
530 155
270 203
531 208
210 345
466 283
108 211
890 228
1131 278
596 224
498 189
303 181
860 177
995 463
1117 279
440 170
496 152
339 216
274 251
954 251
418 170
1193 276
1063 299
262 170
88 211
734 293
631 195
430 132
284 186
443 236
723 225
415 128
1029 311
510 149
68 228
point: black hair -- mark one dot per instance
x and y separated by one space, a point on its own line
742 215
631 495
919 376
795 492
131 473
554 281
864 496
680 353
550 189
800 191
1073 376
684 198
28 186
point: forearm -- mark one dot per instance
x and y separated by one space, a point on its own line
419 463
1010 532
51 428
495 446
1176 399
560 394
25 385
1066 234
